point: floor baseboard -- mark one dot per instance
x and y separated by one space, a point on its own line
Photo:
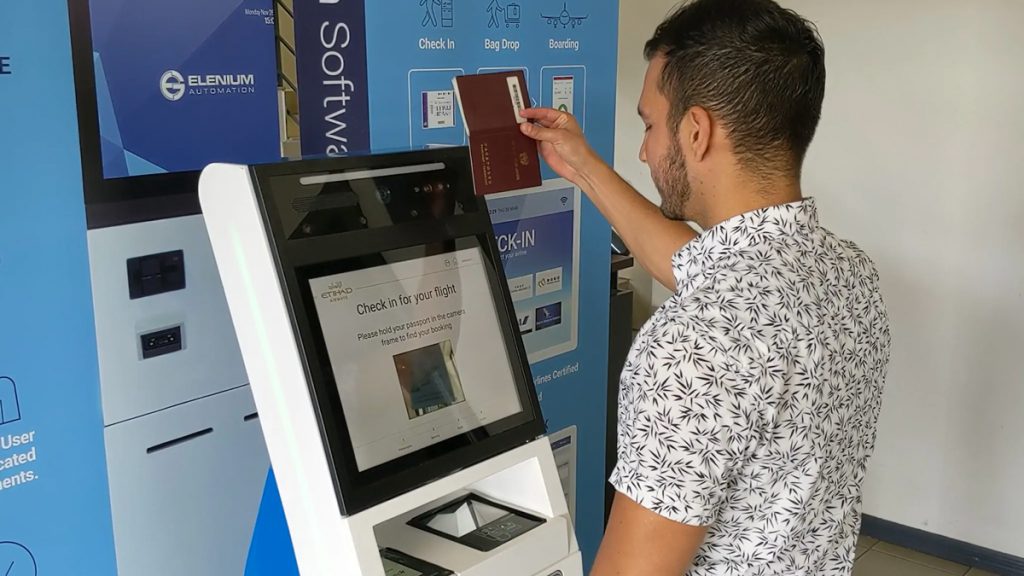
942 547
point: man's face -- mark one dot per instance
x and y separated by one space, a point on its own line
661 149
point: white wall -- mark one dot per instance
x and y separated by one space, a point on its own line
920 159
637 21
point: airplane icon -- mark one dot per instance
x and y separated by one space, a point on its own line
564 19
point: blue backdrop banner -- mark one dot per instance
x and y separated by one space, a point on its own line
54 509
568 51
403 55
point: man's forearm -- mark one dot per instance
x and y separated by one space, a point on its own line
652 238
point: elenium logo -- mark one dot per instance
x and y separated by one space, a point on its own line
174 85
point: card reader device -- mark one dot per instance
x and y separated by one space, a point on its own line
382 346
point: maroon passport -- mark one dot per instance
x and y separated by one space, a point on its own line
504 158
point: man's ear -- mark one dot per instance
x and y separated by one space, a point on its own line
695 132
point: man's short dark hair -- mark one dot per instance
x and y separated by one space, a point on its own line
758 68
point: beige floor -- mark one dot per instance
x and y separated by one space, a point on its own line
876 558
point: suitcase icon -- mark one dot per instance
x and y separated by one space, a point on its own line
513 15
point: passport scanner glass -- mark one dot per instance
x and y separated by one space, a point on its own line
477 523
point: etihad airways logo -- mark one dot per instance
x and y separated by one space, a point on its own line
336 292
174 85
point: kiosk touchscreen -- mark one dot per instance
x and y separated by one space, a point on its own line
392 385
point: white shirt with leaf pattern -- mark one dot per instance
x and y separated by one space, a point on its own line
749 401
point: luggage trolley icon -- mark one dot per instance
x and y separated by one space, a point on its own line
513 15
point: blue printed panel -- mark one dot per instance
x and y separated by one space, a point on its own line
184 83
568 50
54 505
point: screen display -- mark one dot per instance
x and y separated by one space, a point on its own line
537 234
183 83
416 350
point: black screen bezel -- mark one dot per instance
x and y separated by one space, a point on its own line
359 490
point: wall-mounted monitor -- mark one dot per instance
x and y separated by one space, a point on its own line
165 88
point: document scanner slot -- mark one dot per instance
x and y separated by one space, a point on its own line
178 441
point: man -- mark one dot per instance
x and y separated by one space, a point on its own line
749 401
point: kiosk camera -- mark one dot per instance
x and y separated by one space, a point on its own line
393 389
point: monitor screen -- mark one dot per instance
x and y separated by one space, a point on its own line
198 86
165 88
415 349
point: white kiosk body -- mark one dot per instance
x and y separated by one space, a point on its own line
392 387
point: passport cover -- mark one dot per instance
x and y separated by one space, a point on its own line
504 158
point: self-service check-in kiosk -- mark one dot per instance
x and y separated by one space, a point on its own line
392 386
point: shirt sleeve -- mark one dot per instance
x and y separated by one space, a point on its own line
686 417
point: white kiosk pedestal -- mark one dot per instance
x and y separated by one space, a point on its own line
484 498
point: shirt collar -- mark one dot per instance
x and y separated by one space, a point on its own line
784 221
